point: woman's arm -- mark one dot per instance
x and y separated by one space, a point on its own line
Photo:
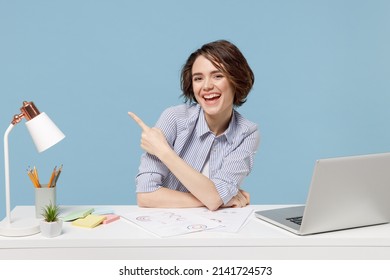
196 183
167 198
202 188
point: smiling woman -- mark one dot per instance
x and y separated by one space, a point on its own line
199 153
214 93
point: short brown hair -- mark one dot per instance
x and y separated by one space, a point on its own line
227 58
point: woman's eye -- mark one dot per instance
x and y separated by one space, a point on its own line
219 76
197 79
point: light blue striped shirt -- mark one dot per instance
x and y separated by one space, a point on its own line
231 154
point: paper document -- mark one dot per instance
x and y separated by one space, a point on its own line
171 222
229 219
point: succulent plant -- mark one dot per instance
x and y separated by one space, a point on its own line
51 213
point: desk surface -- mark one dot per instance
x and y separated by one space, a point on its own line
256 240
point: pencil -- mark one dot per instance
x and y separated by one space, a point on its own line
52 177
33 179
36 176
57 175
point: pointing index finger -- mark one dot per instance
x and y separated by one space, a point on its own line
138 121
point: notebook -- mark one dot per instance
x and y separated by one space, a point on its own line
345 192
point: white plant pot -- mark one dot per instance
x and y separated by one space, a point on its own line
51 229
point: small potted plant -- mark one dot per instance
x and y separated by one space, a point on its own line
51 225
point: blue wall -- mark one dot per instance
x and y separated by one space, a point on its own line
322 85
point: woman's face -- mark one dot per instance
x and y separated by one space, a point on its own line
212 89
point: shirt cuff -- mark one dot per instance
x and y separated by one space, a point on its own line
225 190
148 182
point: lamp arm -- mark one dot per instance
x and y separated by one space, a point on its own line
6 170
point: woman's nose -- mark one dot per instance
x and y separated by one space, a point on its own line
207 84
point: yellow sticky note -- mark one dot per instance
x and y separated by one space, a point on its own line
89 221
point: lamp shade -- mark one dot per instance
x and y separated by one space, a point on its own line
44 132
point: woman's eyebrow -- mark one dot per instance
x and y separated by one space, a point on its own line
212 72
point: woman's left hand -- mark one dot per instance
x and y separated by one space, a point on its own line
241 199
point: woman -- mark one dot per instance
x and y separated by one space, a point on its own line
199 153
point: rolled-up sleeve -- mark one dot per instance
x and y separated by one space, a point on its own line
235 166
152 171
148 182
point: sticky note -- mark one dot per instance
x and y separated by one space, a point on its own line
102 211
77 214
89 221
110 218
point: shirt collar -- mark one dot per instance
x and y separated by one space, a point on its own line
202 127
230 131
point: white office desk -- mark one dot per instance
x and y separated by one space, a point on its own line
256 240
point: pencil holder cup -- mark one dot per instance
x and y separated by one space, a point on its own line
44 196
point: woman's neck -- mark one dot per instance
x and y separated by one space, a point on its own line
218 124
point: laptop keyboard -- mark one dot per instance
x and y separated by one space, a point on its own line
296 220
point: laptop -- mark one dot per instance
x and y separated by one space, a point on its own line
345 192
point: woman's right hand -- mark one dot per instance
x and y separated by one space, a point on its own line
153 140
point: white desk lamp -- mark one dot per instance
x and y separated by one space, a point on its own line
44 134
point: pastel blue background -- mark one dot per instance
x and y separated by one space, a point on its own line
322 85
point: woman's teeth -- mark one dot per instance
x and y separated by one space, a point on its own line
211 96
